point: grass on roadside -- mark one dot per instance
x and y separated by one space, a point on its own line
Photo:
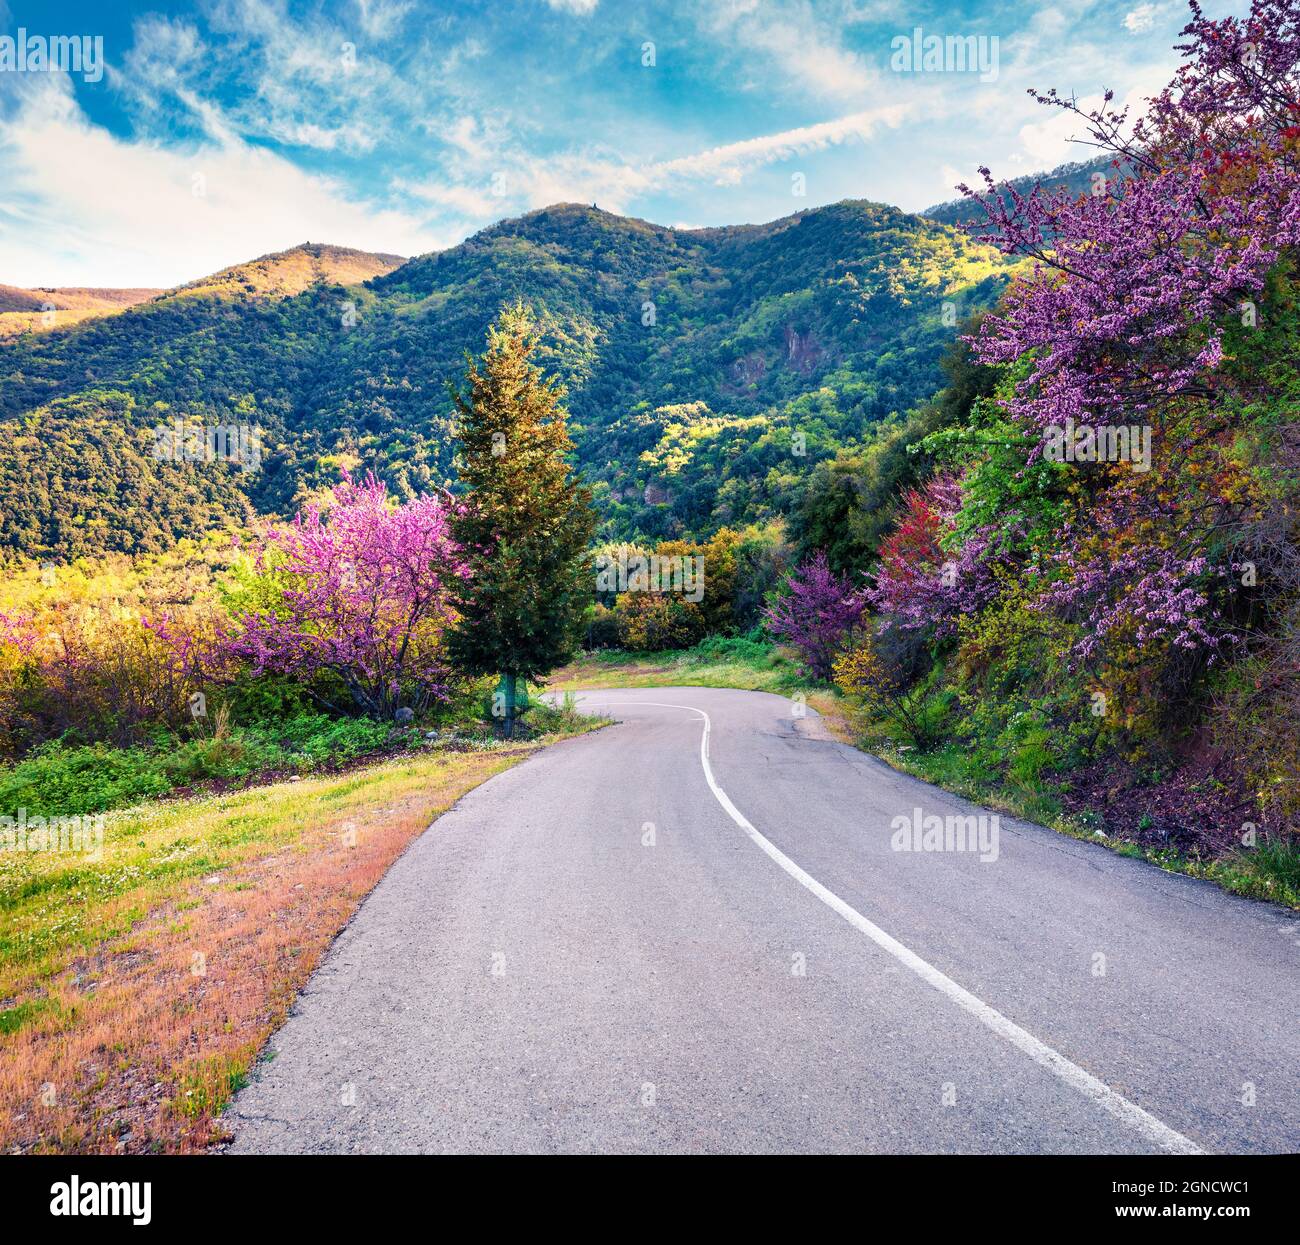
716 662
136 991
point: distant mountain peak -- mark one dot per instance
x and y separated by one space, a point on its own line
45 307
281 274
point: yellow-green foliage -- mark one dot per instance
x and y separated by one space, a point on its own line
89 661
652 620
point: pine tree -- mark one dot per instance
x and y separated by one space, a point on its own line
525 523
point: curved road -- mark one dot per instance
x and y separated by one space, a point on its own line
643 940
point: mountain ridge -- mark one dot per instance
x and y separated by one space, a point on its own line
692 360
71 297
291 271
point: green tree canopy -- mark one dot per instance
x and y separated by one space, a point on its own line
525 522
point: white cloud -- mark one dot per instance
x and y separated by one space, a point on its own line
469 136
1140 19
807 52
470 202
950 177
1049 143
98 210
582 8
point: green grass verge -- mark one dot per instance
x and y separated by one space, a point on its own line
716 662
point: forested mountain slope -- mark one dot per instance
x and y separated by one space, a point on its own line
708 370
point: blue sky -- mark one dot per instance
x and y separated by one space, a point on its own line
224 129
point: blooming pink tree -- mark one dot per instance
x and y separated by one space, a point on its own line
1136 300
19 632
916 584
357 591
814 613
1130 289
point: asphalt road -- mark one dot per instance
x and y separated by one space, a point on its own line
624 944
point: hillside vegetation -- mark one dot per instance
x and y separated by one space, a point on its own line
707 371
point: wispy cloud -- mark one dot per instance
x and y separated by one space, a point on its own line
728 163
301 83
793 43
467 202
381 19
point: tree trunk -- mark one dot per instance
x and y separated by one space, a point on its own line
507 690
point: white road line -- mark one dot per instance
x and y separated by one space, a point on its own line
1128 1113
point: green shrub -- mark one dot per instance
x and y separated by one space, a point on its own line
546 718
600 628
266 698
62 780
